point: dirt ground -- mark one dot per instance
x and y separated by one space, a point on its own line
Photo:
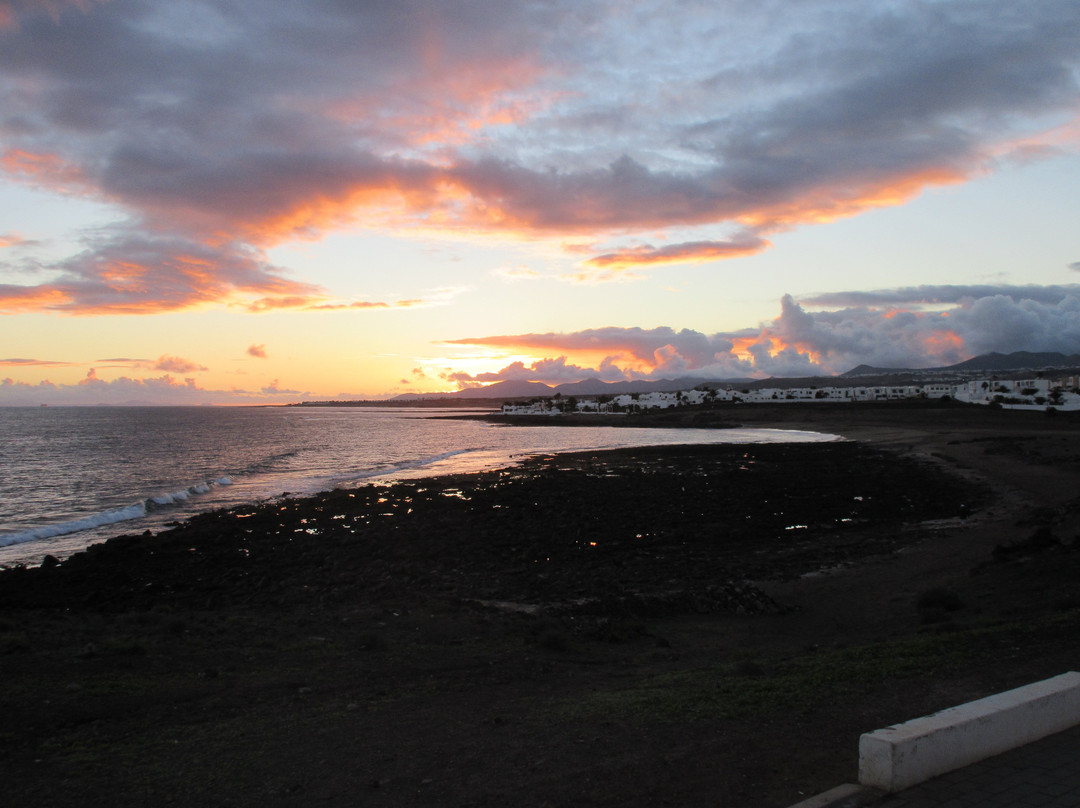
659 626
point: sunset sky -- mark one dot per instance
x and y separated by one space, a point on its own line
231 201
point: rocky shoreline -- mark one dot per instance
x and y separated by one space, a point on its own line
620 628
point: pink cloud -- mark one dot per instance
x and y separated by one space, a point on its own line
372 304
24 363
257 351
129 273
11 240
804 342
160 390
687 252
45 169
176 364
495 120
274 388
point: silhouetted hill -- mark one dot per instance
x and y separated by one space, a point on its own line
596 387
508 389
870 370
1018 360
865 374
991 363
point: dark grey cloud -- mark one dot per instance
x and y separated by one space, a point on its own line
945 293
799 342
1003 324
125 271
637 343
236 124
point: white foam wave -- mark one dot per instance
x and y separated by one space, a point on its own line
136 511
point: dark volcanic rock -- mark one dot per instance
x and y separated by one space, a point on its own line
656 529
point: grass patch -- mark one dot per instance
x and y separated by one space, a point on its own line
14 642
121 646
747 688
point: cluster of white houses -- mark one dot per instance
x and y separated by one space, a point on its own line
1062 394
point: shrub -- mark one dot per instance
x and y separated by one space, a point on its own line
553 641
13 643
939 598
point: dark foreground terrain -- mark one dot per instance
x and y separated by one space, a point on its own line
662 626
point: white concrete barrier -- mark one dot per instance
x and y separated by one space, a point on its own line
898 757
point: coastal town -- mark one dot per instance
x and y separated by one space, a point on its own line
1061 393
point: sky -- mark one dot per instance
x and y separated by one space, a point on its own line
237 202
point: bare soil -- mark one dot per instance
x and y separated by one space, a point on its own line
659 626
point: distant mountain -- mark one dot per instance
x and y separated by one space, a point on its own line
586 387
509 389
989 363
1018 360
986 363
420 396
870 370
596 387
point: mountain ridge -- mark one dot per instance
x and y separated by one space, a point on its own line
593 386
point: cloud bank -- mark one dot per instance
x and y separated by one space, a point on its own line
906 327
878 331
219 130
125 390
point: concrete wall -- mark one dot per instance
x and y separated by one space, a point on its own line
898 757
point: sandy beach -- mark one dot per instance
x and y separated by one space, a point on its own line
678 625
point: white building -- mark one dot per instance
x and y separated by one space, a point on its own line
1012 393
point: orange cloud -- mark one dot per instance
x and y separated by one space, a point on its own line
371 304
498 120
308 213
687 252
448 97
11 240
176 364
847 197
9 8
45 169
507 199
20 299
944 342
740 346
802 343
1062 138
134 274
278 303
306 303
637 348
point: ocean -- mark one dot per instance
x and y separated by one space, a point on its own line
72 476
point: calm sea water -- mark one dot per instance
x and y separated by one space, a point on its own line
71 476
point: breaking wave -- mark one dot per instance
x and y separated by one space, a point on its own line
136 510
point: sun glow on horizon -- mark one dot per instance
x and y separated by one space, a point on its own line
526 191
